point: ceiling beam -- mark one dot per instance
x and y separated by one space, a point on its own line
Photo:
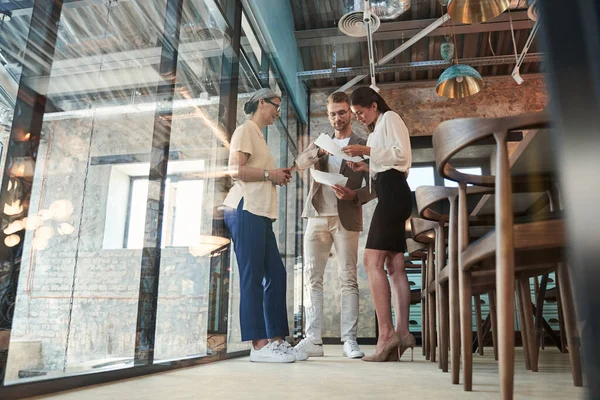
408 29
390 56
417 66
23 7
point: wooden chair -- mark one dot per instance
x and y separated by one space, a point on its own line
511 251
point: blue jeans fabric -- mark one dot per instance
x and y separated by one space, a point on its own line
263 311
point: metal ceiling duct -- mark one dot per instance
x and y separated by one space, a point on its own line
352 22
389 9
532 10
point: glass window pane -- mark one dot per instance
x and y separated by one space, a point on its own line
191 259
250 44
77 300
188 216
471 171
420 176
137 214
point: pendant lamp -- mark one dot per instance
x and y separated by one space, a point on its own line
458 80
476 11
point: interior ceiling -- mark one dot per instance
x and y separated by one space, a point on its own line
488 47
110 54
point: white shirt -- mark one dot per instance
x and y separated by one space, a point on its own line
328 201
260 198
390 145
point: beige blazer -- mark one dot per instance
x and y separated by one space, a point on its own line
350 212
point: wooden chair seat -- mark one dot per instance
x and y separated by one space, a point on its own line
532 242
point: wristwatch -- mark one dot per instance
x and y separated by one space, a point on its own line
266 174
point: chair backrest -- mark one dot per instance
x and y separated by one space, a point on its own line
432 202
415 249
453 136
423 230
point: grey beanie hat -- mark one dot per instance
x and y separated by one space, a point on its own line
264 93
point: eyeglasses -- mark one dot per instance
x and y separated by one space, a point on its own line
277 106
340 113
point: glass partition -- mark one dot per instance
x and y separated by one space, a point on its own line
114 252
77 300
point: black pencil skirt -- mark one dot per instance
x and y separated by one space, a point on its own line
393 209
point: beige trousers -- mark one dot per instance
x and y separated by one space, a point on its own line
321 233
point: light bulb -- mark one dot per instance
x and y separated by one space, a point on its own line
13 227
12 240
61 209
65 229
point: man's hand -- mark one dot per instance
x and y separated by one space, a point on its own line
344 193
358 166
322 153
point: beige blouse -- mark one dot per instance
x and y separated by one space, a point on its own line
260 198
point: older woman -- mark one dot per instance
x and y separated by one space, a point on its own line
251 207
388 148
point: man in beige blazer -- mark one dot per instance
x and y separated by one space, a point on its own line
334 218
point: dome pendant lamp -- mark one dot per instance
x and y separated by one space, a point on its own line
476 11
458 80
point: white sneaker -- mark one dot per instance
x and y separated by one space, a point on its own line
351 349
307 346
299 354
271 353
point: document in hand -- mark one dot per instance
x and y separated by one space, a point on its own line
327 178
326 143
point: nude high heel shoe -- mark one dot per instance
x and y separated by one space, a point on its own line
407 342
389 352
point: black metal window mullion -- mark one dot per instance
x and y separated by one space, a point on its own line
159 159
28 119
219 266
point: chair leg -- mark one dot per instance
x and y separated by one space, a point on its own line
454 327
540 293
424 308
445 324
523 327
454 311
561 318
466 327
539 310
570 323
528 317
423 328
431 302
494 321
432 328
478 322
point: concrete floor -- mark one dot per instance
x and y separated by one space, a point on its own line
335 377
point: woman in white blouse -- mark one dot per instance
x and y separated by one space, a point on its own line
389 154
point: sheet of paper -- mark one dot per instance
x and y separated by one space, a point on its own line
327 178
326 143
